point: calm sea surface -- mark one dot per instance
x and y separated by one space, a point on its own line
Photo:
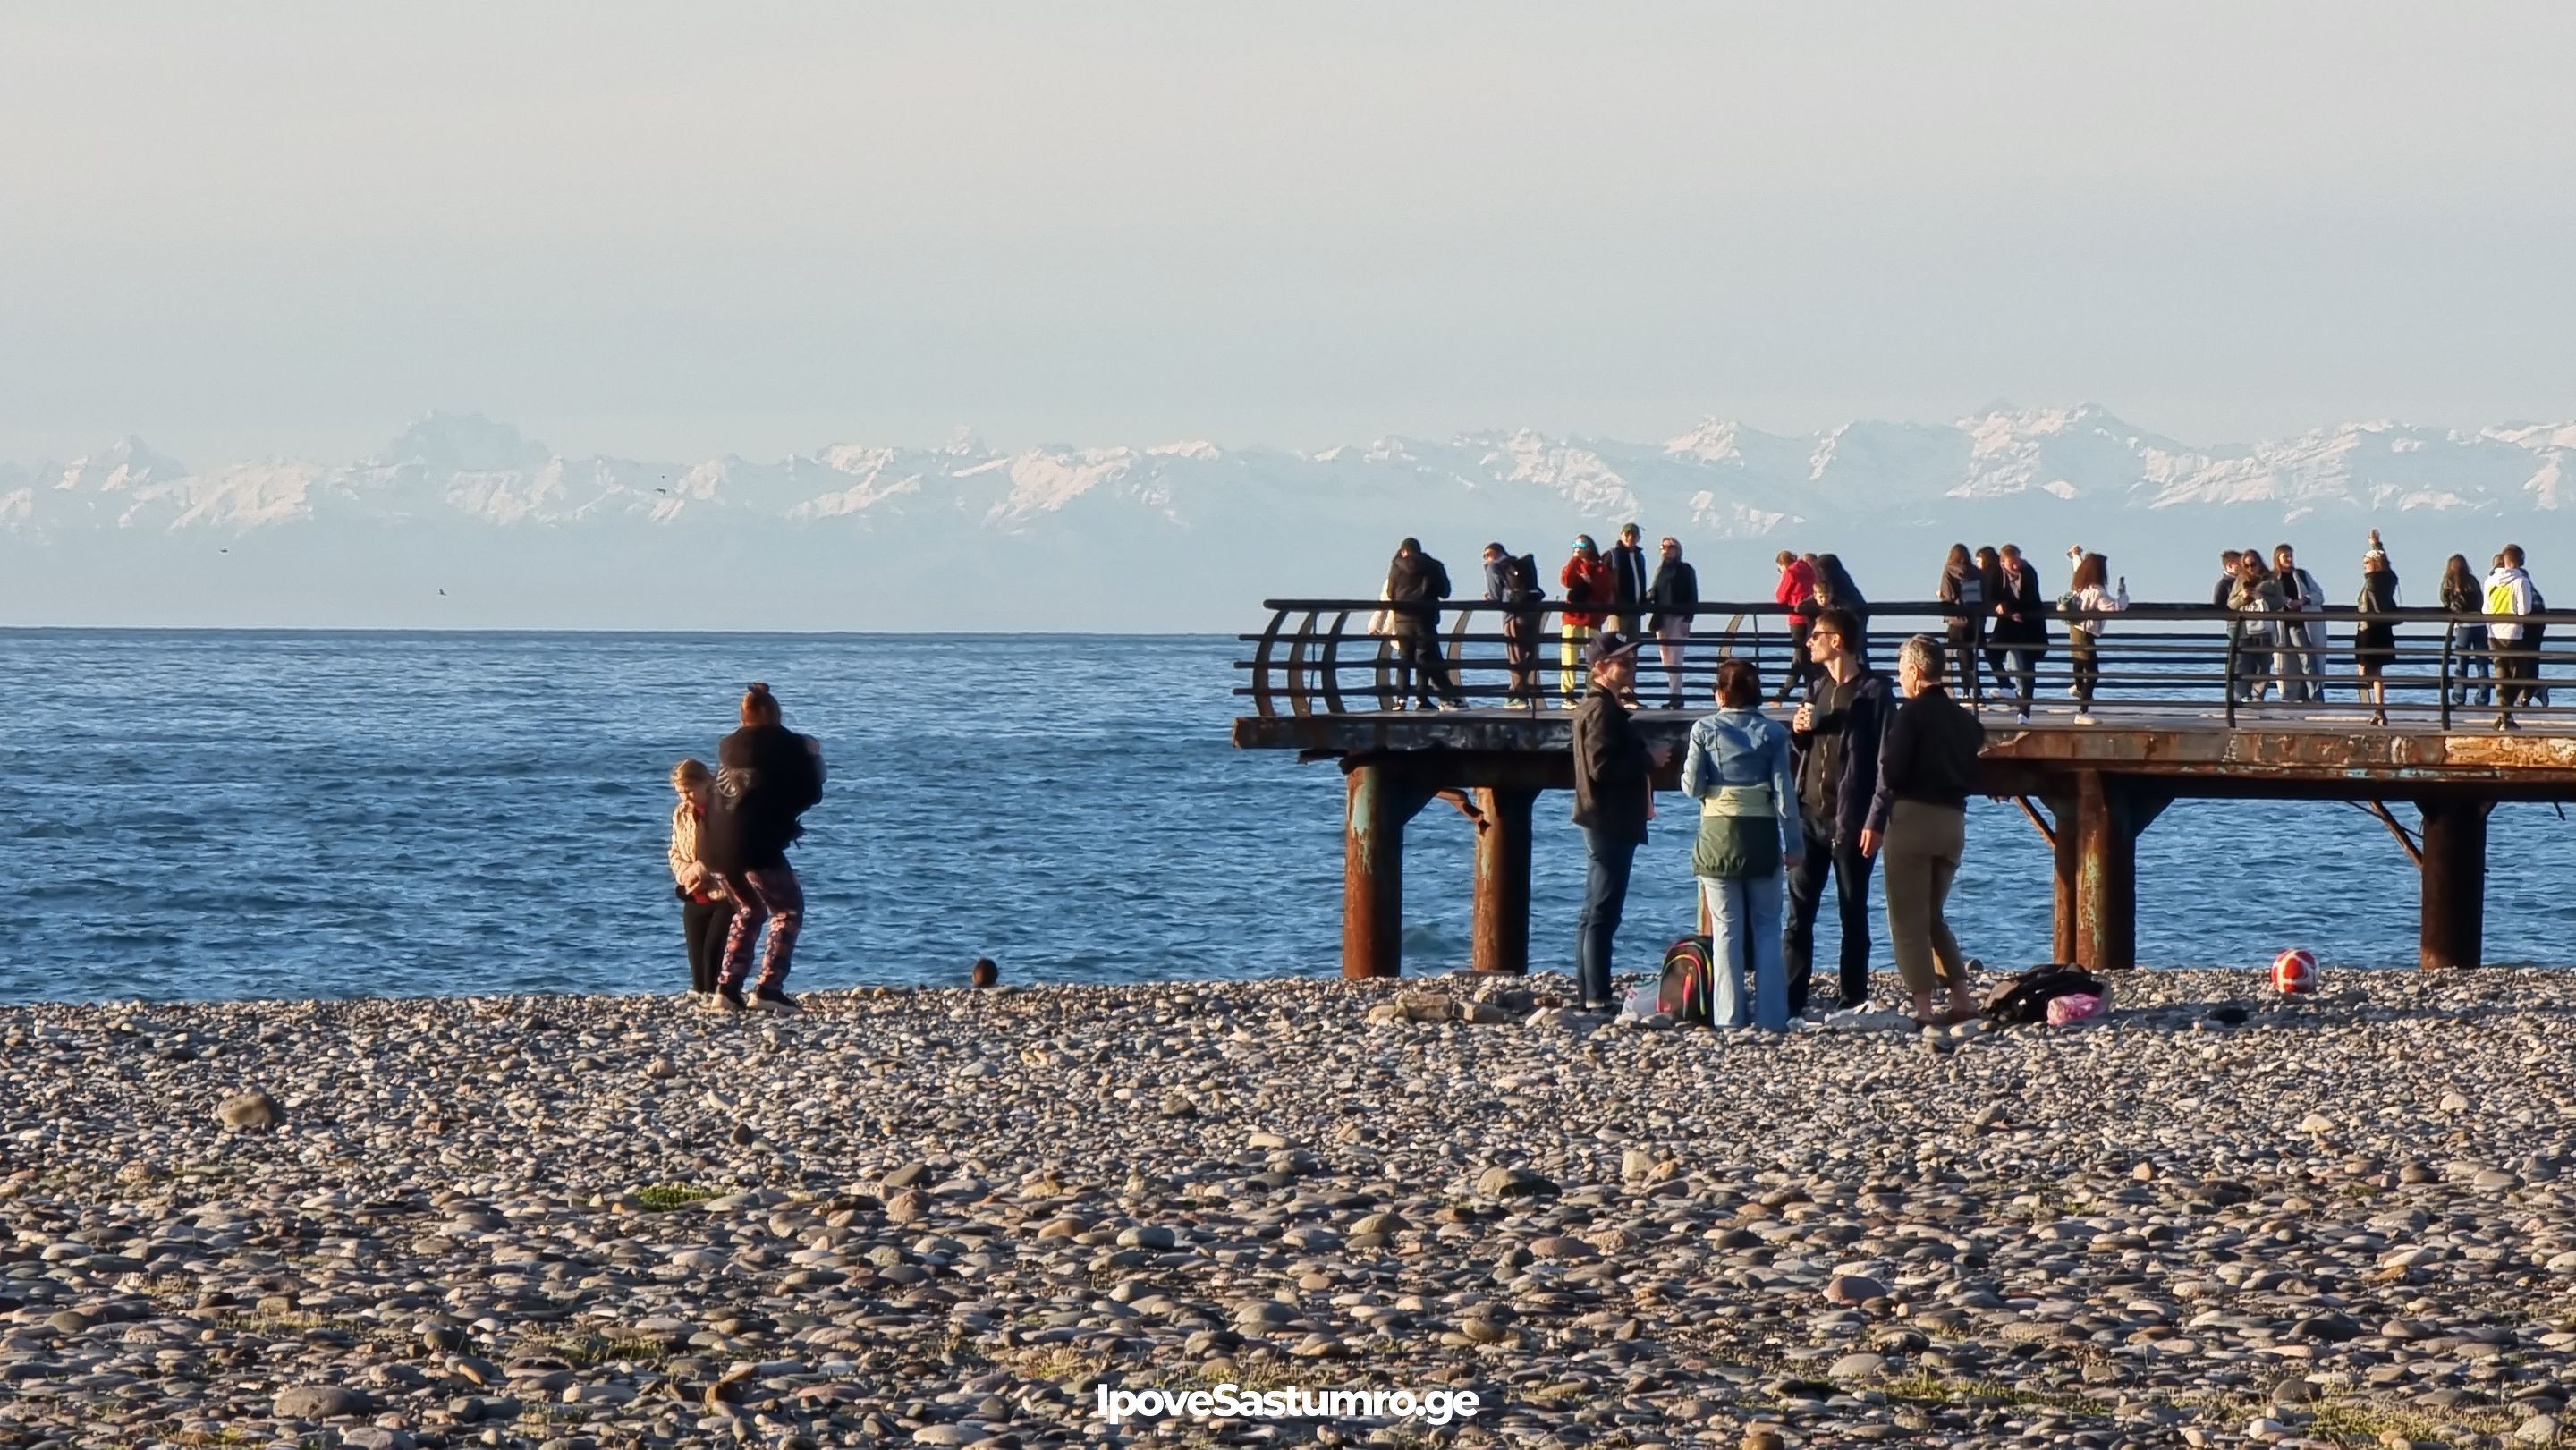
210 814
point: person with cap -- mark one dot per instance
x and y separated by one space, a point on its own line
1627 580
1675 596
1512 581
1415 584
1586 581
1614 797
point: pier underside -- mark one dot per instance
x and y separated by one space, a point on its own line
2089 790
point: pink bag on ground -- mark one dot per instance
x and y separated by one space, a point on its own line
2073 1007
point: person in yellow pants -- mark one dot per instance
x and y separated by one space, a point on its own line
1587 581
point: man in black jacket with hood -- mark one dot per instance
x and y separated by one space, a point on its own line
1415 585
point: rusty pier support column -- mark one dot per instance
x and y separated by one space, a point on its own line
1384 794
2065 849
2453 927
1501 919
2109 815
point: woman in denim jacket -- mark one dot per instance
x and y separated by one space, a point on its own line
1738 771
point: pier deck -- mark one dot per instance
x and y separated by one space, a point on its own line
2170 724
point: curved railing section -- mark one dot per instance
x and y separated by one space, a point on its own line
2435 669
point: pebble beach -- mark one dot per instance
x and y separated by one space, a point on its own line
944 1217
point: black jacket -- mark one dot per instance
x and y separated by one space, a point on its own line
2020 619
1927 754
1674 592
1612 769
765 778
1627 578
1836 759
1414 587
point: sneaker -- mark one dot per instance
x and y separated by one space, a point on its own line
2085 717
771 999
729 999
2022 715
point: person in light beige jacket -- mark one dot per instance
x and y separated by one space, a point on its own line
706 912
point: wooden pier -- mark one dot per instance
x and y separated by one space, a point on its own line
2169 724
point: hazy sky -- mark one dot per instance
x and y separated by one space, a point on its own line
678 230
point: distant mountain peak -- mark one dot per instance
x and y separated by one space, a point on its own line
465 443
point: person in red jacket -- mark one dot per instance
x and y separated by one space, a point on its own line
1587 580
1797 590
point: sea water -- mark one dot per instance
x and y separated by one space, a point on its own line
256 814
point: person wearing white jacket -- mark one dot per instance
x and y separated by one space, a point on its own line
2304 640
2516 646
2090 594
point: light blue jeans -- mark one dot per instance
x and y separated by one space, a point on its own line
1744 951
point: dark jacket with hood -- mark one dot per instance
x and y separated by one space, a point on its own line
766 777
1415 584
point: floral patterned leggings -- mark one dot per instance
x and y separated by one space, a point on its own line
769 894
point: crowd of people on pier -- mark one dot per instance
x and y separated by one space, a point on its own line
1868 775
2000 616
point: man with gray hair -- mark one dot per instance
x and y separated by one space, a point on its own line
1927 768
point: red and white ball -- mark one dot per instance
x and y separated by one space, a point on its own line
2295 970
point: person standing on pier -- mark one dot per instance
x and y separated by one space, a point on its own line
2462 596
1834 738
1675 596
1586 581
1513 581
1797 590
2260 639
1614 797
2516 645
1415 585
1963 589
2225 589
1627 580
2375 643
1918 818
2020 632
766 776
1738 769
2091 595
2305 638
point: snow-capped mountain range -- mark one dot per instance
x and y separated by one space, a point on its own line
1187 534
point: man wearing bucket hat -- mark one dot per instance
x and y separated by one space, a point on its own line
1614 797
1587 580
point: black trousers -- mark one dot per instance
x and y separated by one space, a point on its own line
1420 669
1850 870
704 924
